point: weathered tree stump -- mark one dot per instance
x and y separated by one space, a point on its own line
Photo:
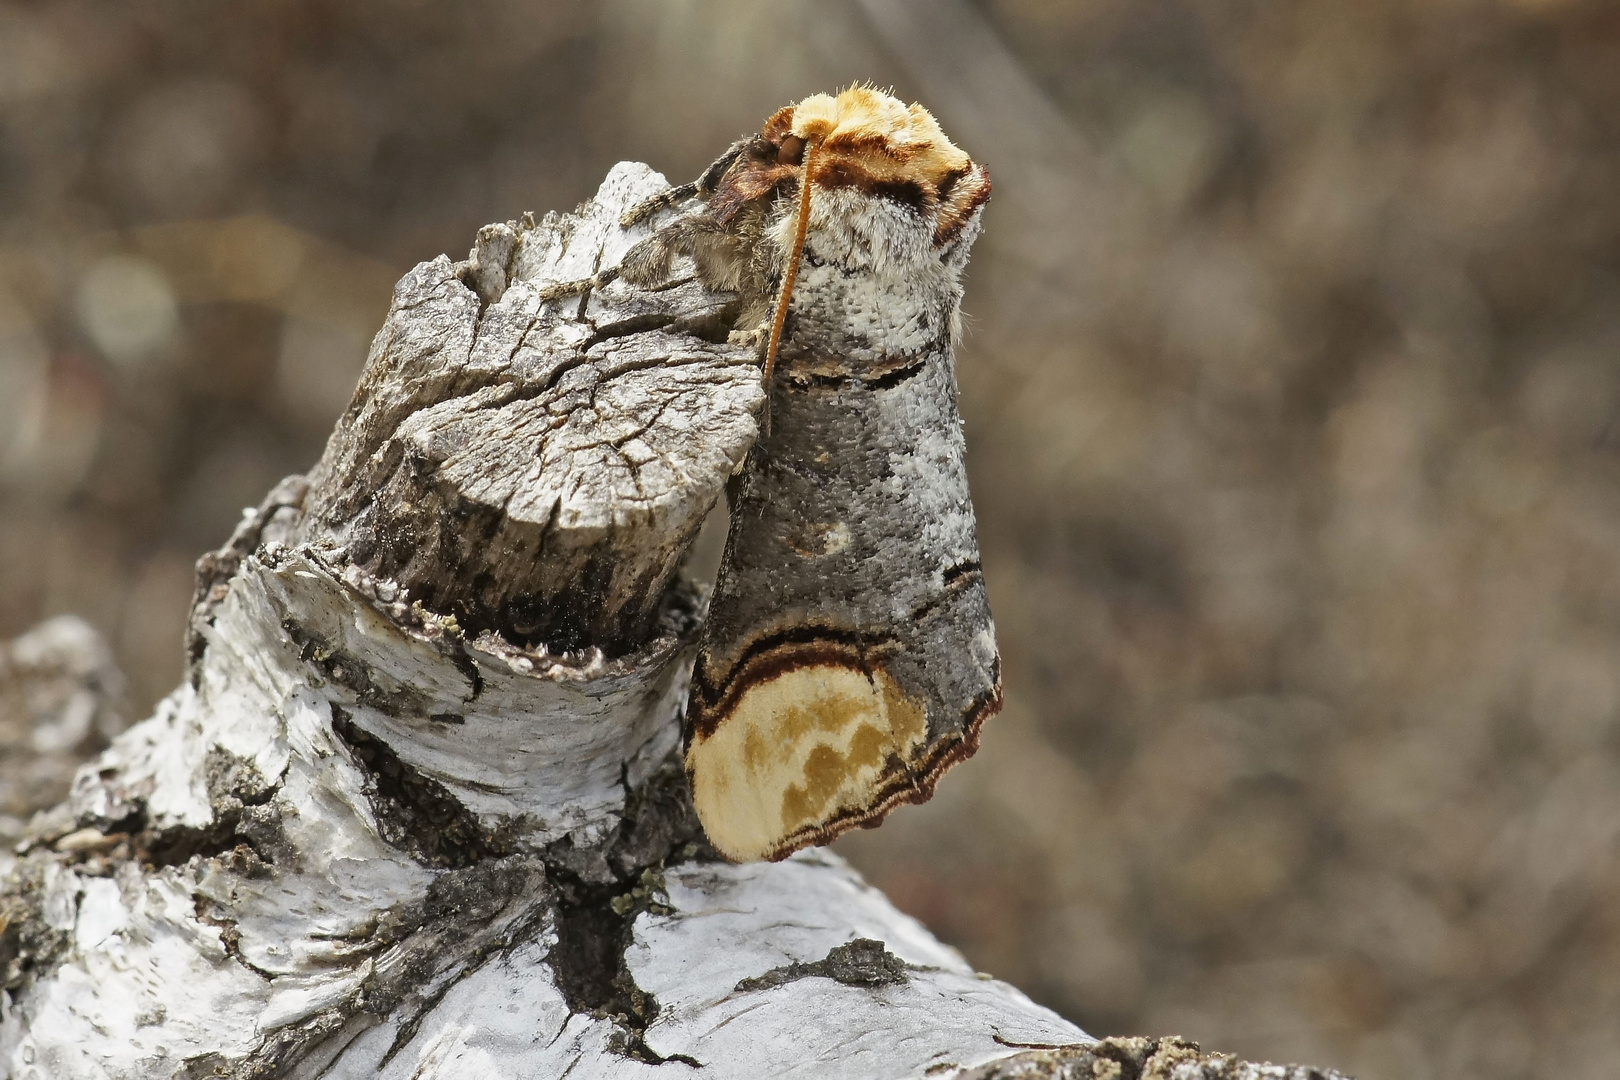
418 811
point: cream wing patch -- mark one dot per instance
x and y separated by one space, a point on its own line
796 750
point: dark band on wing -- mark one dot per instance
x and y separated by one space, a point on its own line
887 373
774 655
955 579
959 203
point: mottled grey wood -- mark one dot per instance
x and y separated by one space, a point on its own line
530 464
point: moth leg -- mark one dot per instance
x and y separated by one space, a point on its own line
700 188
757 337
717 251
646 208
720 253
647 263
557 290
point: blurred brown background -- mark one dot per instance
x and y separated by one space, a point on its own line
1292 390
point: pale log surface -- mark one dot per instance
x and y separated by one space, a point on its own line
416 811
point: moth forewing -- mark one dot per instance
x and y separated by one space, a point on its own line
849 656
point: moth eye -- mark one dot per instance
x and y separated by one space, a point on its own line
791 152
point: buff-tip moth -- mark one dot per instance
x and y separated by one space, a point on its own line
849 657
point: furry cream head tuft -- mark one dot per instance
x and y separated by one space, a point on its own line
868 132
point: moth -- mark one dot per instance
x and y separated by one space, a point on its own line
849 656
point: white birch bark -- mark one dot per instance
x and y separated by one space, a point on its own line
382 831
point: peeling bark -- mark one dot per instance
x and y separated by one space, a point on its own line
417 810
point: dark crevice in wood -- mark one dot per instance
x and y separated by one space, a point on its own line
415 813
600 895
30 947
213 914
588 959
714 326
468 667
635 324
177 846
660 825
862 962
594 928
351 673
245 830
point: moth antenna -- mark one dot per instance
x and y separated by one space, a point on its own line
790 276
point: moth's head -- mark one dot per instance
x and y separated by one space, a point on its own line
862 141
868 135
870 142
